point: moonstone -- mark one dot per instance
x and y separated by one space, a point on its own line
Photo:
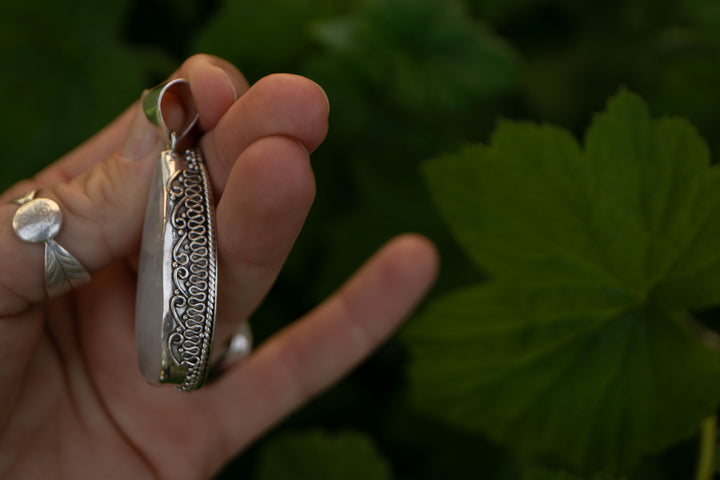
152 315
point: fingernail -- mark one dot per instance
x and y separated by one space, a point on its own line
303 147
141 137
228 80
327 99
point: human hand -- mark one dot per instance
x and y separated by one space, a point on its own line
73 403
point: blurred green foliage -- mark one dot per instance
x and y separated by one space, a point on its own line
316 455
543 474
408 80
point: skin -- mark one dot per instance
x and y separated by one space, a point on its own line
73 403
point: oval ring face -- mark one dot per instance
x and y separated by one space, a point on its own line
38 220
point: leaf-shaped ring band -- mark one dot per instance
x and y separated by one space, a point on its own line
38 220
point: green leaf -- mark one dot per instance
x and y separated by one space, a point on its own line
580 349
421 55
317 455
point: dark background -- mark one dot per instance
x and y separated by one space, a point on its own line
408 80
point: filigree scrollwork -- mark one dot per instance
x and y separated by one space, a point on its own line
193 272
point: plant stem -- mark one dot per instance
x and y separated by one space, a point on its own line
706 460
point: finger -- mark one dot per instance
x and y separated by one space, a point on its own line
314 352
102 208
18 339
215 85
269 194
213 93
276 105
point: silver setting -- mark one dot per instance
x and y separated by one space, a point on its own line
194 271
39 220
177 288
152 103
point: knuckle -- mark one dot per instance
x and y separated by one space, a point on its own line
88 202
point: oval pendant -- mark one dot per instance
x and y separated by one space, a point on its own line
177 278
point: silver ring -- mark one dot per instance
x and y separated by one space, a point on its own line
237 349
39 220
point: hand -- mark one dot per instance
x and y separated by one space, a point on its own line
73 403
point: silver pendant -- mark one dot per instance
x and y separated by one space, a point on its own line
177 282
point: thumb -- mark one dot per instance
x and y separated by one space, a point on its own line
103 207
101 219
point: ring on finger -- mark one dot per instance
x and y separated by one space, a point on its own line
39 220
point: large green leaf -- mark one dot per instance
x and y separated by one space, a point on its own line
581 348
316 455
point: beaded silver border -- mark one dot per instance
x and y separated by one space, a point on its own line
194 271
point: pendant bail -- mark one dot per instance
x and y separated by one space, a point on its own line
152 106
